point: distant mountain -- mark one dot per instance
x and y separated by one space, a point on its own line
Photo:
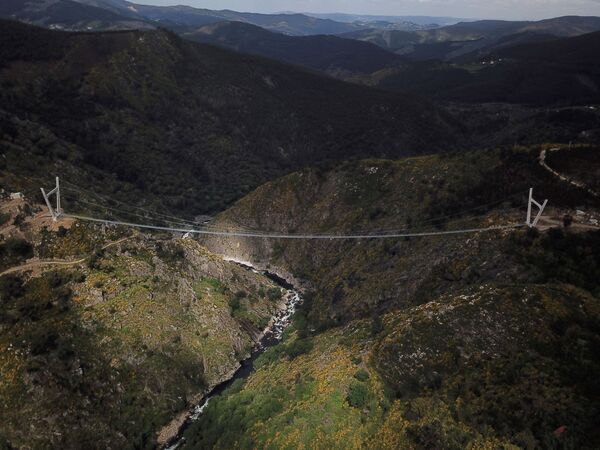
190 126
417 20
68 14
292 24
558 71
479 37
122 14
330 54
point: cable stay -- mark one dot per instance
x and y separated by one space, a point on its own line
180 225
179 221
292 236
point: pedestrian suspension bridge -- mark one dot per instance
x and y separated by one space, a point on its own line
178 225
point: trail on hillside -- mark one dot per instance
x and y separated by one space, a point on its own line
562 177
34 264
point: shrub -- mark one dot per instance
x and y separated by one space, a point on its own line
361 375
11 286
567 220
4 217
19 220
270 356
299 347
14 251
564 257
170 252
300 323
234 303
274 294
376 326
357 395
78 277
19 248
278 251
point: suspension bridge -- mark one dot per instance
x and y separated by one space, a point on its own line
179 225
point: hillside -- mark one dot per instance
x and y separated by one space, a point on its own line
482 340
419 194
292 24
68 14
557 71
436 342
393 22
473 38
330 54
253 254
190 126
106 348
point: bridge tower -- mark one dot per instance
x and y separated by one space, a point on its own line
55 213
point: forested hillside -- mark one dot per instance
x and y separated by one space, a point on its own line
479 340
191 126
553 72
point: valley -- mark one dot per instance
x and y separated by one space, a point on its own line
142 320
297 230
369 366
228 124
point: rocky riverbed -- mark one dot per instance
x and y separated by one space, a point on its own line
170 436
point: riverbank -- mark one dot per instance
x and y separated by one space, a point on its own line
170 437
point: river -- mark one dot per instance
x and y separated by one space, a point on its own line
272 337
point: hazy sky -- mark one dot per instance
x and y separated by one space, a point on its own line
492 9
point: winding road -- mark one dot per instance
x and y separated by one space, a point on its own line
562 177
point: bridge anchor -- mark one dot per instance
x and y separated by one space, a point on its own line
541 207
55 213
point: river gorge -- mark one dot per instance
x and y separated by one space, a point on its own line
270 337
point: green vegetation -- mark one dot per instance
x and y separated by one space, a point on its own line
121 344
274 294
330 54
14 251
298 347
540 73
357 395
458 383
581 164
562 257
361 375
80 241
454 191
185 126
234 304
486 340
491 347
287 403
4 218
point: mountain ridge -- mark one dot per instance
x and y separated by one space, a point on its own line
453 41
231 121
330 54
553 71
